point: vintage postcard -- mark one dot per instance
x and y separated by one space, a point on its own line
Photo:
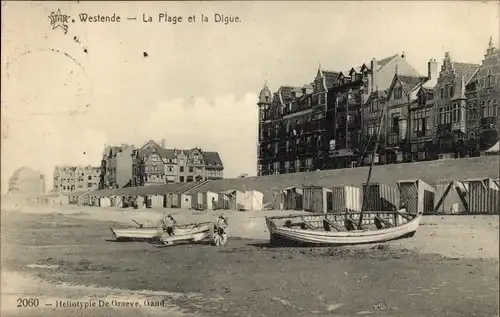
250 158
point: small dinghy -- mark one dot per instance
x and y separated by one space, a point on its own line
342 229
195 232
136 233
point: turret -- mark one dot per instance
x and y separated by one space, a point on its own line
264 96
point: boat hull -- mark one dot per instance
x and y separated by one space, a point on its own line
280 235
149 233
188 233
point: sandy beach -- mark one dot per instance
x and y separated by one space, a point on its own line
63 256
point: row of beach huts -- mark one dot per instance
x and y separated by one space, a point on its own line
183 197
471 196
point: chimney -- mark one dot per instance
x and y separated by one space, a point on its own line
374 66
432 69
163 143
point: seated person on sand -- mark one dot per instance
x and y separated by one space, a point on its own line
168 223
221 223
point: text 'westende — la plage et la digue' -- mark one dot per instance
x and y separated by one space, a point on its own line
162 17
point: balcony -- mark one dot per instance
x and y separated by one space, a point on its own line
341 153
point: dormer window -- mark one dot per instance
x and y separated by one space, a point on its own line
398 93
452 91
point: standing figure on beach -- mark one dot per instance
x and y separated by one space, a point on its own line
220 231
168 223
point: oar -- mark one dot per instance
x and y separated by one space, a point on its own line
139 224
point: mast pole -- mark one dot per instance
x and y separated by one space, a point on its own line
379 130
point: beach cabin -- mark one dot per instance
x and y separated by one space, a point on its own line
173 200
346 199
277 202
450 197
291 198
231 199
105 202
114 201
211 200
197 201
155 201
417 196
185 201
254 200
380 197
205 200
483 196
317 198
140 201
95 201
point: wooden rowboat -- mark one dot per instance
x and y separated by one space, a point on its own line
341 229
135 233
215 232
138 233
192 232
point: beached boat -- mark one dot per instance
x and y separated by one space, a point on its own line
215 232
342 229
192 232
137 233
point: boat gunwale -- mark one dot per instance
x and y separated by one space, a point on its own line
352 233
308 214
183 226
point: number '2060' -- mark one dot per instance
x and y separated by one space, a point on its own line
28 302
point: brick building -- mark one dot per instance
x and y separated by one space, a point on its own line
116 166
450 104
396 96
331 123
421 124
76 178
153 164
320 125
488 97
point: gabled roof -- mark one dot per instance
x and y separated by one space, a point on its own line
330 78
210 158
287 93
384 61
409 83
465 69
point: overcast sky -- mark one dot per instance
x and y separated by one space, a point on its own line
199 84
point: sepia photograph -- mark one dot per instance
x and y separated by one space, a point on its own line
250 158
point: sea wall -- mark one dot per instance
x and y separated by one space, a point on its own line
429 172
